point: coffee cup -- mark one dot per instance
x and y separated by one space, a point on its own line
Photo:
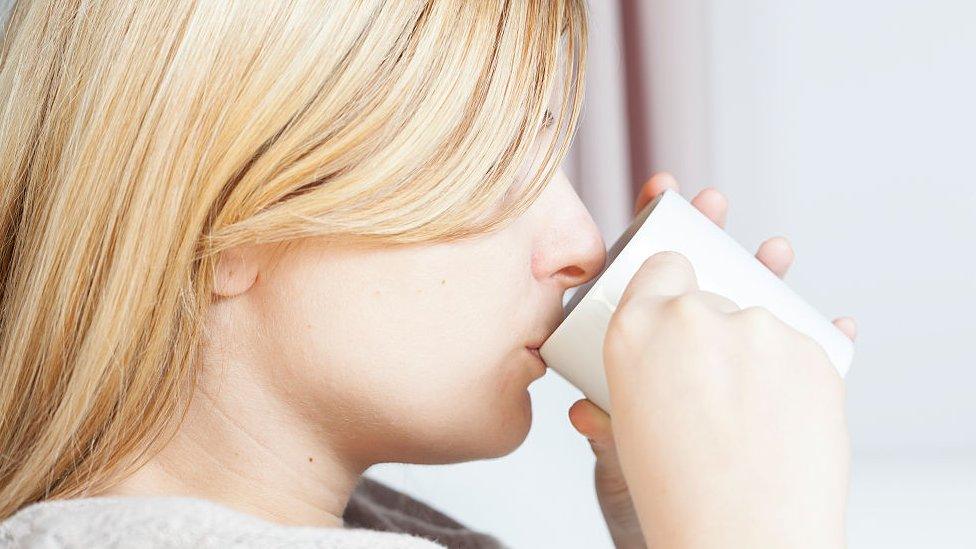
722 266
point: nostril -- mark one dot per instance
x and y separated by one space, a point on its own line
572 271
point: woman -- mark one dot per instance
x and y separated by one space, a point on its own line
250 249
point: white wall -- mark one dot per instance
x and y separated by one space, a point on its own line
847 126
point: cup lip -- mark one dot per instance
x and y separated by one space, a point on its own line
615 250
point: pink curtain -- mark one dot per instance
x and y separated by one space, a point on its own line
645 108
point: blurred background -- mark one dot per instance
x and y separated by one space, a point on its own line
847 127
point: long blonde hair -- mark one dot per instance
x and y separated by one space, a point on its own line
138 140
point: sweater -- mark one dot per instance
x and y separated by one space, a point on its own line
376 516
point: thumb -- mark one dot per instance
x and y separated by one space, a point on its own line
593 423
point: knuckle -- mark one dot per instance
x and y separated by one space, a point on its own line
634 309
821 359
624 339
669 259
759 318
676 259
767 334
687 306
761 330
629 319
719 302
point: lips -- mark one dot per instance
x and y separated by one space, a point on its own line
538 355
540 338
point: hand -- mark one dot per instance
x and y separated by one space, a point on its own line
592 422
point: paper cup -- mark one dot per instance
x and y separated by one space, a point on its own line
722 265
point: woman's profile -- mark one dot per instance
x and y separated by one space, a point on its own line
250 249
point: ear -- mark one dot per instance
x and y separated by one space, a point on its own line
236 271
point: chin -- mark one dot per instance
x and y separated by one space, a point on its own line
492 423
509 427
490 431
512 420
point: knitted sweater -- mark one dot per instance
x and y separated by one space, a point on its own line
377 516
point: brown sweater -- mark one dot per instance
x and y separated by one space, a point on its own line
376 506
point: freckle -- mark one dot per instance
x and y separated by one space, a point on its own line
443 281
310 460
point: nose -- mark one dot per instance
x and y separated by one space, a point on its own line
569 249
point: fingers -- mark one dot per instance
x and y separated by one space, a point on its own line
718 301
709 201
665 273
847 325
653 187
776 254
592 422
713 204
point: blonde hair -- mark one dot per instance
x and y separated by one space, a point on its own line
138 140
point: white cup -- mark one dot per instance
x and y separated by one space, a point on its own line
722 266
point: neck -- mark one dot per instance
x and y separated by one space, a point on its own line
256 458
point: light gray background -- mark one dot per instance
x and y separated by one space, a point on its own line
849 128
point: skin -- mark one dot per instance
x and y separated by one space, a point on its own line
316 352
322 359
678 519
294 405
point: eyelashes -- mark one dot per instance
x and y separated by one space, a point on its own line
547 119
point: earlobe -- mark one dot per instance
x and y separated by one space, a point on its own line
236 272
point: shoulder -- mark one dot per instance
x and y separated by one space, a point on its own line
377 506
175 522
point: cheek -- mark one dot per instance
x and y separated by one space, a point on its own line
424 348
407 364
422 391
